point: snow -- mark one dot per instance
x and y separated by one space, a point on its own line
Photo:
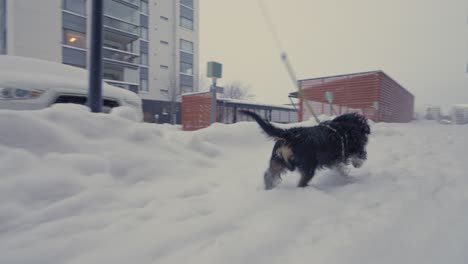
78 187
40 74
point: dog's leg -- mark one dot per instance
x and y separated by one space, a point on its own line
306 175
342 170
359 159
272 176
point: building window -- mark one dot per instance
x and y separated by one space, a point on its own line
74 57
144 33
186 45
144 50
164 42
165 67
75 39
144 79
144 85
3 30
115 41
73 22
186 89
186 65
186 17
144 6
121 73
75 6
186 68
186 80
186 57
144 27
120 11
188 3
164 18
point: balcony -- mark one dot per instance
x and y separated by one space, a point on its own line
115 71
120 26
121 56
132 2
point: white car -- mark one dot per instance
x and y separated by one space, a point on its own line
29 84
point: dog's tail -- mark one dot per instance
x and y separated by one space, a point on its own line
270 130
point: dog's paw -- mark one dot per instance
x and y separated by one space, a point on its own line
342 170
271 181
357 163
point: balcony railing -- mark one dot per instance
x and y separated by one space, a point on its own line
121 25
132 2
114 54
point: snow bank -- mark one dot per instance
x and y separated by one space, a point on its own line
90 188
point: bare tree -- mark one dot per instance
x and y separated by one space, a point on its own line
174 97
237 90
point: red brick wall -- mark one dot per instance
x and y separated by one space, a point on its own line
396 103
196 110
354 91
360 92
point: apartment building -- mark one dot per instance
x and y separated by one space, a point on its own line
149 46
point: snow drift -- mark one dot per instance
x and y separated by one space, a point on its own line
90 188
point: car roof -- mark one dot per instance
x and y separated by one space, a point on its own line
41 74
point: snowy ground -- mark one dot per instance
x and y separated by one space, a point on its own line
89 188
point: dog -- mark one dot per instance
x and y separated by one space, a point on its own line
330 144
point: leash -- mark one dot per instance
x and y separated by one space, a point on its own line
284 59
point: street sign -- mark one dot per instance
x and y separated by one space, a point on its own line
376 105
329 97
214 70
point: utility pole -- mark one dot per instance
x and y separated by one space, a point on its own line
213 102
95 57
214 71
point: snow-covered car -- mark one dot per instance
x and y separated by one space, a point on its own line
30 84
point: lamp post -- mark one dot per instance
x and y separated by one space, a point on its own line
95 66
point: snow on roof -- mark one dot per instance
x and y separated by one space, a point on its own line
195 93
236 101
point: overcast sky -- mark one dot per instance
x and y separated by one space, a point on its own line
422 44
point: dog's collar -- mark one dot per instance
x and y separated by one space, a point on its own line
344 139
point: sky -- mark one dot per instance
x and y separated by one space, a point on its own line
422 44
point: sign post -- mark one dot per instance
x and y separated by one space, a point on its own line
376 110
329 98
214 71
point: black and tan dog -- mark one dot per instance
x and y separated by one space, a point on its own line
331 144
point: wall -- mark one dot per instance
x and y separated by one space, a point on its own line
353 92
161 79
196 109
396 103
358 93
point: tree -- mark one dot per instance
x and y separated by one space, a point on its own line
237 90
174 97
